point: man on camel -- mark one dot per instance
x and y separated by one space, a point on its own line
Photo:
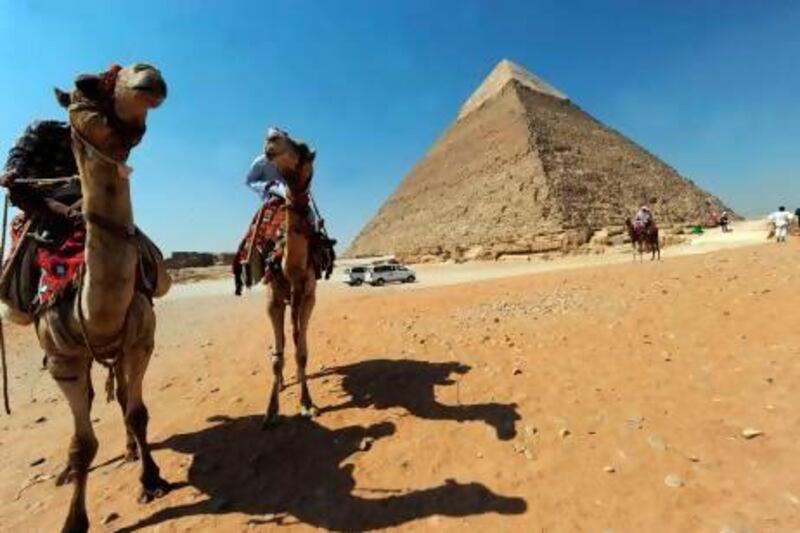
41 177
643 233
643 219
260 251
265 179
42 181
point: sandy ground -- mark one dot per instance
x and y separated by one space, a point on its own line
610 397
216 280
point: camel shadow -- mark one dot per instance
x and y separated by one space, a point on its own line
294 474
409 384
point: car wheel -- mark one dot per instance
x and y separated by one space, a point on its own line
357 282
411 279
379 282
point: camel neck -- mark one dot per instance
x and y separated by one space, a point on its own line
110 259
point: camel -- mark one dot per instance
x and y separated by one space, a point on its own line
106 319
644 239
296 283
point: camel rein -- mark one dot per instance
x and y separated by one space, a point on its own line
123 169
107 356
6 402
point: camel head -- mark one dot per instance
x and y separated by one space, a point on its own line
109 109
293 159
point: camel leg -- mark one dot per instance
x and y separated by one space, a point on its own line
134 364
66 475
72 376
276 309
131 449
302 307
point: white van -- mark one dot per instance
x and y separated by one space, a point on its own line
355 275
379 275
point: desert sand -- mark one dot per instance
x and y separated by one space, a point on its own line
506 397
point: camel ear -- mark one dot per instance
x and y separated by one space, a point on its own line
63 97
91 85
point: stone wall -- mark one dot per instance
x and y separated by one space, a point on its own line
197 259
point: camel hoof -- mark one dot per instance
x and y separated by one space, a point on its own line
160 489
270 421
76 525
65 477
131 456
309 412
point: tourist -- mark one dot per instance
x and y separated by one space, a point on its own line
724 221
781 220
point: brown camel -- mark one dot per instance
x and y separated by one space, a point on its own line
296 283
644 239
106 319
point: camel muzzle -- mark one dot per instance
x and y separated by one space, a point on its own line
153 87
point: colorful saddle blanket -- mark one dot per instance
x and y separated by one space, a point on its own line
262 245
44 266
40 269
259 254
60 266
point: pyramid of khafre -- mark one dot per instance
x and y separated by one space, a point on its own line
524 170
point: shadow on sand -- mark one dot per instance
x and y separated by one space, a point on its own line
294 473
409 384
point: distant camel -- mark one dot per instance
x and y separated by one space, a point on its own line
295 283
644 239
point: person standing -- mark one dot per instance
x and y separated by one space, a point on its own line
781 219
724 220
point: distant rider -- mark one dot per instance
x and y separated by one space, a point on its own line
264 177
643 219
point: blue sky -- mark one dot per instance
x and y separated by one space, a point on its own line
711 87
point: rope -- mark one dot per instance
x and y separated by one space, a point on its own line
6 402
124 170
320 221
46 181
109 362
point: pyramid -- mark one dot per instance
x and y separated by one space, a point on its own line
524 170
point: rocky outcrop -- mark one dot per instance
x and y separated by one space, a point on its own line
197 259
522 171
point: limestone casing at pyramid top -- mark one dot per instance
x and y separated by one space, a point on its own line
504 72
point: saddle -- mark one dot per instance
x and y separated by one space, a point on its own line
258 257
43 268
645 229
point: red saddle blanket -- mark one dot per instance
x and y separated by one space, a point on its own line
263 241
42 265
61 265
